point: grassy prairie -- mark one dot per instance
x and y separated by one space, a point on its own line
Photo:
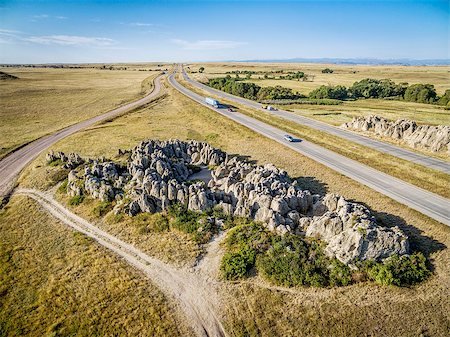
45 100
57 282
343 74
415 174
347 75
339 114
252 307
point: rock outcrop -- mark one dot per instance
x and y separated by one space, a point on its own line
427 137
157 175
69 161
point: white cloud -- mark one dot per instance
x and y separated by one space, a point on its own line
46 16
71 40
207 44
9 35
141 24
8 32
41 16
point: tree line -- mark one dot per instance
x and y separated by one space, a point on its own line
372 88
366 88
251 90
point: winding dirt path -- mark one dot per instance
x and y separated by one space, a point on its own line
196 297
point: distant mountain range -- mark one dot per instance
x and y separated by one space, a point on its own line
369 61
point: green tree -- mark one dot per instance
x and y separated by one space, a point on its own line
445 99
201 69
421 93
331 92
327 71
372 88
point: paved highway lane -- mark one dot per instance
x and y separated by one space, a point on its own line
421 200
393 150
14 163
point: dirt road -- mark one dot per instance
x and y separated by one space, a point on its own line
196 297
13 164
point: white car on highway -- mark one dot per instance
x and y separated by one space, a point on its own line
288 138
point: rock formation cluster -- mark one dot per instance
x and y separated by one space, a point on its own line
427 137
157 174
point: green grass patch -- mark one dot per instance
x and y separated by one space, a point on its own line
63 187
76 200
55 162
102 208
193 223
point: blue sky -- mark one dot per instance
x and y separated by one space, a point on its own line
134 31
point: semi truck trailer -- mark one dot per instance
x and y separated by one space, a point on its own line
212 101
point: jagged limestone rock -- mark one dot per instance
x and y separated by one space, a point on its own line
428 137
157 175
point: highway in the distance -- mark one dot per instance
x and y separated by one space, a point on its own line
425 202
393 150
15 162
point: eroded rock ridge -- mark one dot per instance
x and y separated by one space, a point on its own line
156 174
427 137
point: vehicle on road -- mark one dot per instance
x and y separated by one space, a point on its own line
212 101
288 138
271 108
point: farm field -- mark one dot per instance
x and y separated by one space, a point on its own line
252 307
44 100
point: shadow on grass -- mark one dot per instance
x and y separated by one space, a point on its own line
245 158
312 184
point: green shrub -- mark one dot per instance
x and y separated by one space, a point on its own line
63 187
339 273
237 264
249 234
400 271
76 200
291 261
102 208
190 222
159 223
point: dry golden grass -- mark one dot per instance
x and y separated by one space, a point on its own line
45 100
57 282
343 74
391 109
252 307
429 179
